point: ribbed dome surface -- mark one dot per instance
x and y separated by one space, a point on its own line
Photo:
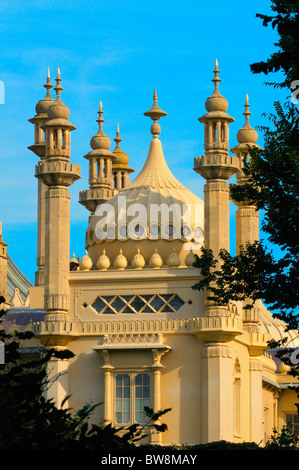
154 185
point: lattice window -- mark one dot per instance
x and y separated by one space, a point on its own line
149 303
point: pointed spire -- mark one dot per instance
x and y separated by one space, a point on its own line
43 105
58 87
117 139
155 113
247 134
216 102
48 85
247 113
216 78
100 141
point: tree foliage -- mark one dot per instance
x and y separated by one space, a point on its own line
286 58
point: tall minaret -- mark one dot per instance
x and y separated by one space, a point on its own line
120 167
100 169
56 172
39 148
247 217
216 166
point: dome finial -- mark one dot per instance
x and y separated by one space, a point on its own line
48 85
117 139
100 119
58 87
247 113
155 113
216 102
43 105
247 134
100 141
216 78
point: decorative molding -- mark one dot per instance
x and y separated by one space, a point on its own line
133 339
57 302
255 365
52 193
216 350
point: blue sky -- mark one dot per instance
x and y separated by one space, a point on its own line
117 52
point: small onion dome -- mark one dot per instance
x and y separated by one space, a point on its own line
173 260
247 135
100 141
103 262
156 260
216 102
121 157
85 263
74 263
58 110
138 260
120 261
190 259
43 105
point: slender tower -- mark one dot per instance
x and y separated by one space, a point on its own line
100 169
57 173
39 148
247 215
216 166
120 167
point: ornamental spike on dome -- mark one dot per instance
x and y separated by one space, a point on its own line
43 105
100 141
117 139
155 113
58 110
216 102
247 134
58 87
121 156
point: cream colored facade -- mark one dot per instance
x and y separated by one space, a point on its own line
140 333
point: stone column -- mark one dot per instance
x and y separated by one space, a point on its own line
217 393
57 295
108 418
256 400
216 210
247 225
58 390
41 222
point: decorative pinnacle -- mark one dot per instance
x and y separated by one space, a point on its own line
155 113
48 85
117 139
247 113
100 119
216 78
58 87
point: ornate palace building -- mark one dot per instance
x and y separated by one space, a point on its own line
141 335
